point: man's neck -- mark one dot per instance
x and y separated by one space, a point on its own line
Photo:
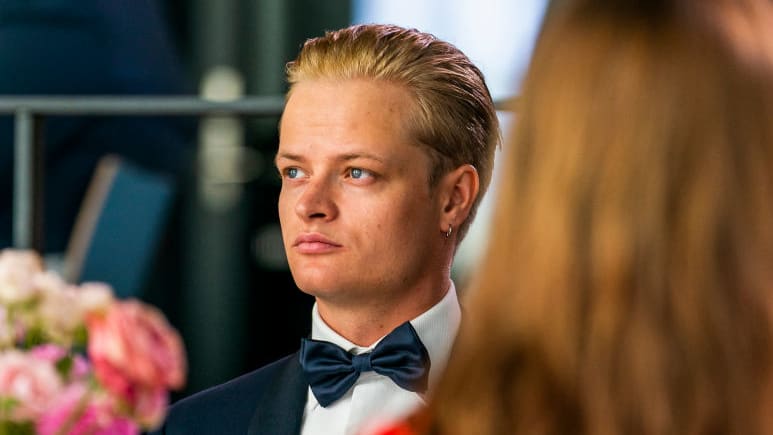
364 324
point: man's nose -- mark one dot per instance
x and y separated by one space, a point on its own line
317 201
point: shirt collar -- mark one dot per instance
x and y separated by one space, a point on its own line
436 327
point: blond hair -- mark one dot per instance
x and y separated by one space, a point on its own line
627 288
454 116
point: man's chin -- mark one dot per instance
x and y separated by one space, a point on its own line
317 290
331 292
316 277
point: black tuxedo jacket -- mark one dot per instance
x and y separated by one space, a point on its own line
269 400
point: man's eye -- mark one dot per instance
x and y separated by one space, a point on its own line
293 173
359 173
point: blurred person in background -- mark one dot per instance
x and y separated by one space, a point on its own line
386 148
627 286
117 47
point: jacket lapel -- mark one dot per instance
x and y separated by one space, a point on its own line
279 410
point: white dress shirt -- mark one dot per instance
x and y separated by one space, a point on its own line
374 398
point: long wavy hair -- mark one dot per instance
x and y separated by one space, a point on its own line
628 285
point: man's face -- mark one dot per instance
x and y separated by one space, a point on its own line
359 220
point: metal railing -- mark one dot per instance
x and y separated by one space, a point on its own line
29 113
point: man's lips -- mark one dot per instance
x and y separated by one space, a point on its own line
314 243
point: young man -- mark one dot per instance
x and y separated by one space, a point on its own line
386 147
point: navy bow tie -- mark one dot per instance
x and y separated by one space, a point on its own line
331 371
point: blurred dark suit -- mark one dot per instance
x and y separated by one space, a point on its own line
267 401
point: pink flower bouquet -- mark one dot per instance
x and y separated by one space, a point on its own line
74 360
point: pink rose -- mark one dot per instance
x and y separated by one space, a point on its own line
72 401
136 355
32 381
48 352
150 406
82 412
117 426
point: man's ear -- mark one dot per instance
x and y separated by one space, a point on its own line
459 191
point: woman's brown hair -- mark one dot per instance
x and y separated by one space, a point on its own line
627 288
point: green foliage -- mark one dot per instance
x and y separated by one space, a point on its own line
15 428
7 427
64 366
6 406
34 337
80 337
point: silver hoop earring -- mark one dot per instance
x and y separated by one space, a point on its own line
450 229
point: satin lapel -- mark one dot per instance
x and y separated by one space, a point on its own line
279 410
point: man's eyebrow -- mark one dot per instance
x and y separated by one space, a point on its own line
354 156
289 156
343 157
